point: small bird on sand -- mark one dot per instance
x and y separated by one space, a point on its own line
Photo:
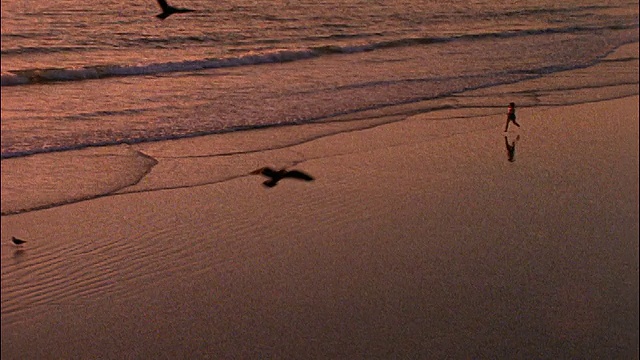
277 175
168 10
16 241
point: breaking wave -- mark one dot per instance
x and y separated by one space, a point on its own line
48 75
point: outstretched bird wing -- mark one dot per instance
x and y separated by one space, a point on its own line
266 171
163 4
299 175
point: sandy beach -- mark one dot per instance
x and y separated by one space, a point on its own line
418 239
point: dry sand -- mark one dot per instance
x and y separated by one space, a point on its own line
418 239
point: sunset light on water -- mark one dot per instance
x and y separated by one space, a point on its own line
319 179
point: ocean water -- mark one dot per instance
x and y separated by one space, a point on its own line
78 75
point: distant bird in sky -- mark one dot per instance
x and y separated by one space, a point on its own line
277 175
16 241
168 10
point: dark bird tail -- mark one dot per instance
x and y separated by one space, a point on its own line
271 183
168 10
164 14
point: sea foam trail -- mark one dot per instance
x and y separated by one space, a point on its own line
39 76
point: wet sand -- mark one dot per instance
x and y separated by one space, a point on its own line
407 245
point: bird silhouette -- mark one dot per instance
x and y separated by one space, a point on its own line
168 10
16 241
277 175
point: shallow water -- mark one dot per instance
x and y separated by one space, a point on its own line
77 75
359 258
116 77
418 238
56 178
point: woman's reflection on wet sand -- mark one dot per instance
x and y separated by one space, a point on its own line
511 148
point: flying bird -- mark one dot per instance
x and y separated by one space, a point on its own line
168 10
277 175
16 241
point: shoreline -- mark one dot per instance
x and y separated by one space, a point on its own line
418 239
94 172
